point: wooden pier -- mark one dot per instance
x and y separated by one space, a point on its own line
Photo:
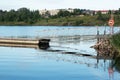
23 42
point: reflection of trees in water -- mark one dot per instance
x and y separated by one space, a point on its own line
73 39
112 55
116 64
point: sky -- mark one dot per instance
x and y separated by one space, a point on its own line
60 4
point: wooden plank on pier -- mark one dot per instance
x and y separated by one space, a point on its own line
18 41
23 42
19 45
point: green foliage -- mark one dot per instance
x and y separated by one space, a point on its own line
77 17
79 22
116 41
21 15
77 12
64 13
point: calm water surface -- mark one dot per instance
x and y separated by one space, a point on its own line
64 60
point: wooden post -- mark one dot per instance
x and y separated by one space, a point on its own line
97 34
111 23
44 43
105 30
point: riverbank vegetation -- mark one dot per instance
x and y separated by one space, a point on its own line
79 17
115 40
108 45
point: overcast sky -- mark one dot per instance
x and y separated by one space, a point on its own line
60 4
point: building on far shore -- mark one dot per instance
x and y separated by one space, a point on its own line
51 12
54 11
102 11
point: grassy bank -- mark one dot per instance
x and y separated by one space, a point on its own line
64 21
115 40
70 21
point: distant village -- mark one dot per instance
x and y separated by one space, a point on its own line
72 17
85 11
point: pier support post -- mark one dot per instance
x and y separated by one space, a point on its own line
44 43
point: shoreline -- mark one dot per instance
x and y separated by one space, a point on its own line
107 46
55 26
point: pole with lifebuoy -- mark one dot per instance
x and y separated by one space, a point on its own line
111 24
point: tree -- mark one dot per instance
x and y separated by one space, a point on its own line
46 15
99 15
12 15
23 14
62 13
1 15
76 12
109 12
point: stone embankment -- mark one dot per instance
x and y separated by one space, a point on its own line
104 47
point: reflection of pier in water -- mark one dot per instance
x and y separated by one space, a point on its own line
77 58
69 56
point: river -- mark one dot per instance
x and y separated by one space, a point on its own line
68 58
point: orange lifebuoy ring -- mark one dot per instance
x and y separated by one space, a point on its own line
111 22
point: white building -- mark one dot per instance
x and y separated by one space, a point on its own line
54 11
51 12
102 11
42 11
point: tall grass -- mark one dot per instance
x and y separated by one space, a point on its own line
115 40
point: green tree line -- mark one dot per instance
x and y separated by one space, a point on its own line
77 17
21 15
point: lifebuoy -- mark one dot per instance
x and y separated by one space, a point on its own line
111 22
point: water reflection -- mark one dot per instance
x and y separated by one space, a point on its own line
112 56
113 67
106 63
69 56
64 48
116 63
102 60
63 56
